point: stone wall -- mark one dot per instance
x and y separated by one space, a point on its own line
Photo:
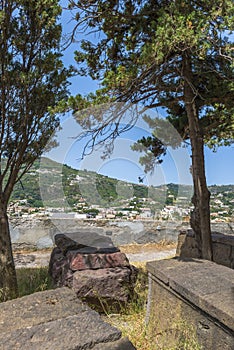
191 301
223 247
40 231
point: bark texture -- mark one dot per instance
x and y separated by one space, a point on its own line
200 217
8 280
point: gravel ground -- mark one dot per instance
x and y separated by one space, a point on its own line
41 258
149 256
32 259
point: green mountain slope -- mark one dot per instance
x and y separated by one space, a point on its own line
95 189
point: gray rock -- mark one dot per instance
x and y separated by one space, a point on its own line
44 242
85 242
37 308
147 237
55 319
121 344
73 332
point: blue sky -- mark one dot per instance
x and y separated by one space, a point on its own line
124 164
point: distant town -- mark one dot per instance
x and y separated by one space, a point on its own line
133 209
111 199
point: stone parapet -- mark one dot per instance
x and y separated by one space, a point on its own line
196 293
40 232
223 247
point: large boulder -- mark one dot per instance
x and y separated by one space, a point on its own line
99 273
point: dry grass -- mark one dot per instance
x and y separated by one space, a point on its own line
32 250
132 322
129 248
148 247
133 326
31 280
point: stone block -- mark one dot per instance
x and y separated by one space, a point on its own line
224 239
39 308
223 247
198 292
222 253
78 261
232 258
96 272
114 285
73 332
186 245
121 344
56 319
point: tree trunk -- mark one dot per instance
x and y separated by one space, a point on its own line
200 217
8 280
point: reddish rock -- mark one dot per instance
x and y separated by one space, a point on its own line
110 284
99 273
80 261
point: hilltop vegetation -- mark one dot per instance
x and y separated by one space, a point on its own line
76 184
81 186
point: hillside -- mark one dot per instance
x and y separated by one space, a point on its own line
75 184
83 189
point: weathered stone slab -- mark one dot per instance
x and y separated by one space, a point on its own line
73 332
198 281
201 292
55 319
39 307
78 261
224 239
86 242
165 270
220 305
222 253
